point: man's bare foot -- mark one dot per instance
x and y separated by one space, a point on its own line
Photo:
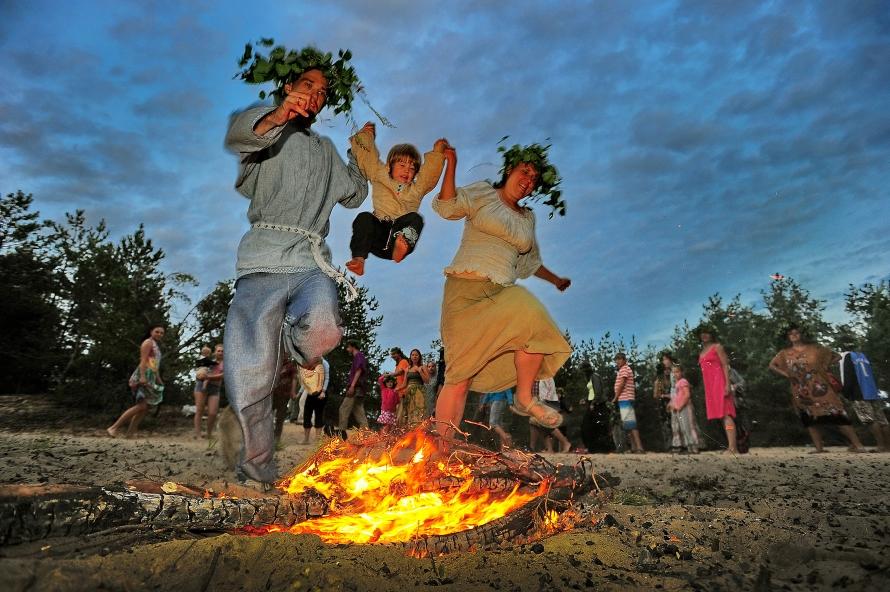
400 249
356 265
112 431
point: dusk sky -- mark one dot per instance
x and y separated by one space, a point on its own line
704 144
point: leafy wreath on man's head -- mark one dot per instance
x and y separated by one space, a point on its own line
281 66
548 177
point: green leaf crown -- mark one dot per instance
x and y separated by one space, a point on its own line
282 66
548 177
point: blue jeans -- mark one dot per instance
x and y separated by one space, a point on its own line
271 313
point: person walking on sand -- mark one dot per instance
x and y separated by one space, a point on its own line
625 393
145 382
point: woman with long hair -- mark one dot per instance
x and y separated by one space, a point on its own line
145 382
719 402
414 398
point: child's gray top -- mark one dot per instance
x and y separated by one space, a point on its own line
292 177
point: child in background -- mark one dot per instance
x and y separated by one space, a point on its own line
389 399
681 407
202 367
397 188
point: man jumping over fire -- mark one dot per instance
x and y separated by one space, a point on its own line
285 294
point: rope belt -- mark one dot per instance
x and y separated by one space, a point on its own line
315 242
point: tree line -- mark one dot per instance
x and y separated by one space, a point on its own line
78 305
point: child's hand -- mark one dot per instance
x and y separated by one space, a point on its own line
441 145
562 284
370 128
451 155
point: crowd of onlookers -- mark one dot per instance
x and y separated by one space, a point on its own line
820 380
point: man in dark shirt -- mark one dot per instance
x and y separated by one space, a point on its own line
353 404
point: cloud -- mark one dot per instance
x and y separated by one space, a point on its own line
703 143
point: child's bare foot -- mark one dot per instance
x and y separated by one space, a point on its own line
400 249
356 265
564 448
112 431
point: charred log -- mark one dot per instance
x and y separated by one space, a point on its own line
76 511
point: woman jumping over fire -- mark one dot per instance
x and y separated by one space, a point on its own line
497 334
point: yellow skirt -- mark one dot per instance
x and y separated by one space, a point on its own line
483 323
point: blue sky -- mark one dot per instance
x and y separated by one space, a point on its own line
704 144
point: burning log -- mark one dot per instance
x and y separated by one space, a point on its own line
29 514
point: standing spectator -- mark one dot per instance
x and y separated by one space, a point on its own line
861 390
401 376
314 382
202 368
145 382
389 401
212 388
662 390
682 411
285 391
353 405
416 376
430 389
440 372
719 401
806 366
545 391
285 290
625 393
300 401
496 404
595 424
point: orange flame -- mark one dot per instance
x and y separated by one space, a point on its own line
398 494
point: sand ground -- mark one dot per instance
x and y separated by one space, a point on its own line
774 519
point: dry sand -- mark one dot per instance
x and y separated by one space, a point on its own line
776 518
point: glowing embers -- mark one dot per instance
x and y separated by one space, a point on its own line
400 488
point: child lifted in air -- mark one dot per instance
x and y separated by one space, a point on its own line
397 188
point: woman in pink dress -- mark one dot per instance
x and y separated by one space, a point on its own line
719 401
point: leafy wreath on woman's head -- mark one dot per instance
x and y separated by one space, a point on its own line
282 66
548 177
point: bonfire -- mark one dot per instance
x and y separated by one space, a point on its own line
411 489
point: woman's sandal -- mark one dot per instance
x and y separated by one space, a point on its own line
551 419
